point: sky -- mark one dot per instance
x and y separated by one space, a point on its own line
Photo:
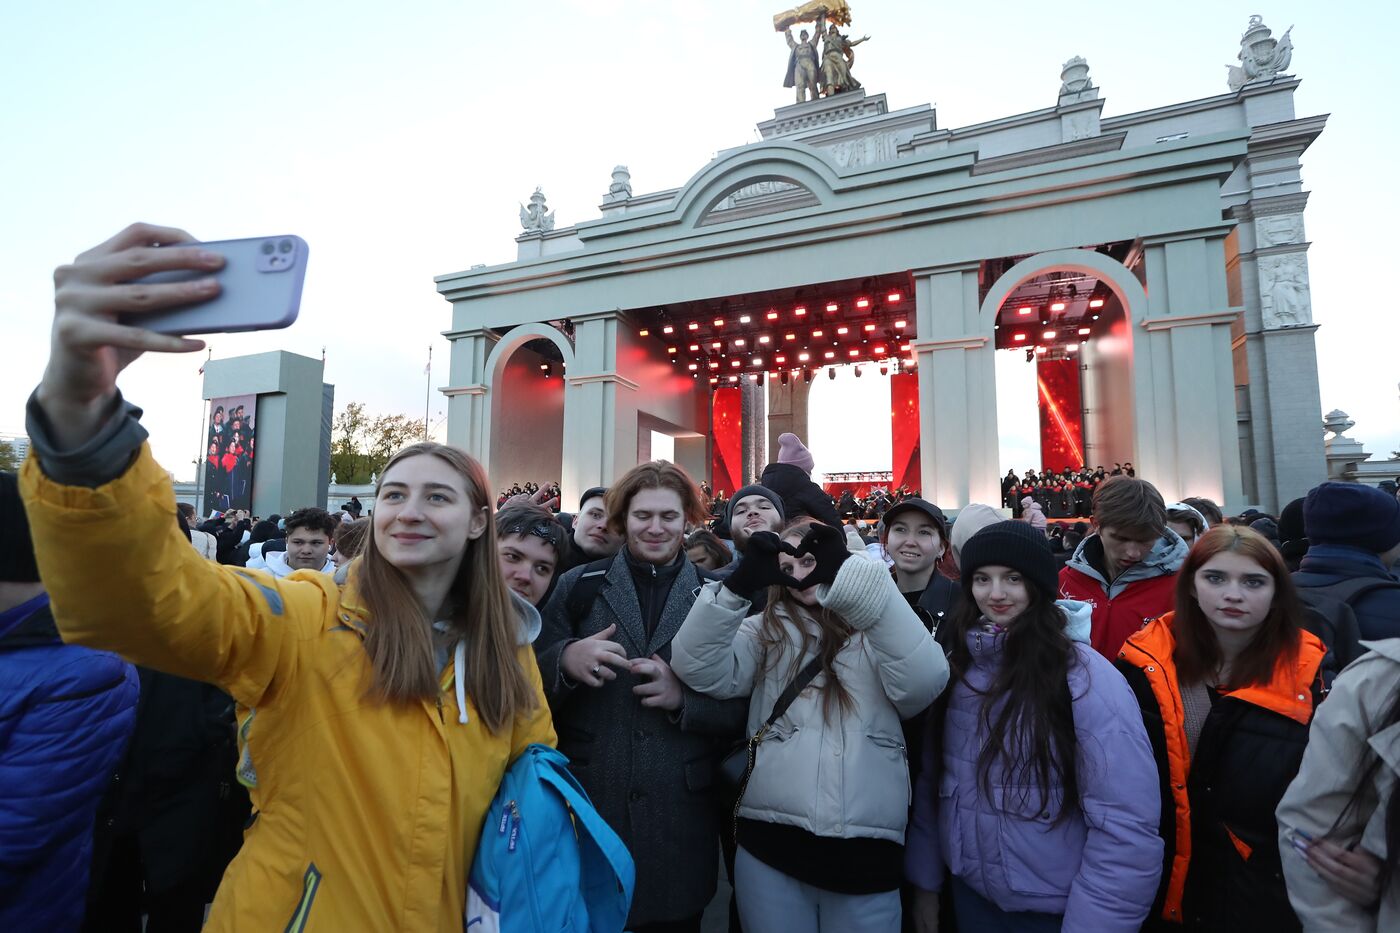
399 141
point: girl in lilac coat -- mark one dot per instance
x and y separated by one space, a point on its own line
1038 804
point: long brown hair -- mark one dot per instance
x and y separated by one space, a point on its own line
1198 653
399 635
832 635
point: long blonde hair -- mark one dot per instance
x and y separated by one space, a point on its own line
399 635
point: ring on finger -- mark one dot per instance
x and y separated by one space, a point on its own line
596 670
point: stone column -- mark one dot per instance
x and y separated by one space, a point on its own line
469 393
598 444
1184 404
957 389
787 410
1279 373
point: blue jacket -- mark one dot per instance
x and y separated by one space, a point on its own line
1377 612
65 715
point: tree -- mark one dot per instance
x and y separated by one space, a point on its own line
7 458
362 444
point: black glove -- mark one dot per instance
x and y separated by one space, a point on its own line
758 567
828 546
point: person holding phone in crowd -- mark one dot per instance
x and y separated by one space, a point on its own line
1037 804
821 851
421 662
1227 685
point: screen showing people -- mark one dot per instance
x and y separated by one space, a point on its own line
229 450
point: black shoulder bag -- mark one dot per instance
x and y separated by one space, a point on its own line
736 767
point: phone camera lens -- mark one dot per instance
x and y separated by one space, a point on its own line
285 246
267 247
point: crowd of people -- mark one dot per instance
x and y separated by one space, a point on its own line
942 728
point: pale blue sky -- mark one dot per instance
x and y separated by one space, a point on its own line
399 139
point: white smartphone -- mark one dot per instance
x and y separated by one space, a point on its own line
260 289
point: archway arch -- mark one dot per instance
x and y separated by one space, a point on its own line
530 402
801 166
1115 368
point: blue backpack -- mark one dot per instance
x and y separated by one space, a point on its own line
546 860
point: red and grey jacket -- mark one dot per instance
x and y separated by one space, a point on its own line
1143 592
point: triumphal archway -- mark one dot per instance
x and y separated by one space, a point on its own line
1155 262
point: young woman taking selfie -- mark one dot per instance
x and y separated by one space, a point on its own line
376 721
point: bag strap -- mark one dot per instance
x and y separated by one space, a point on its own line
1353 588
799 683
585 589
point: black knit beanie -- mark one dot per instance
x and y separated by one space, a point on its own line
755 490
16 549
1011 544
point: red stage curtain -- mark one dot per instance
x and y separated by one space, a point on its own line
727 441
1061 415
904 430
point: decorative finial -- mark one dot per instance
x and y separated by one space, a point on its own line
536 218
1338 422
1074 76
1262 57
621 187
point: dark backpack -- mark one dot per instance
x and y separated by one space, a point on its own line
1331 617
586 587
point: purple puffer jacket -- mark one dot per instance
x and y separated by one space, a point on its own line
1101 865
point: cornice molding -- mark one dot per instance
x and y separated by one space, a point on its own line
1191 320
949 343
608 377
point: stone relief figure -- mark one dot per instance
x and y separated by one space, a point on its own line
1276 229
1261 56
838 56
535 219
1283 292
802 64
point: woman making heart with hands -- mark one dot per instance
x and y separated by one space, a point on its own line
829 857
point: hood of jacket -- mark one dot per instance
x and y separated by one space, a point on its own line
276 564
1166 557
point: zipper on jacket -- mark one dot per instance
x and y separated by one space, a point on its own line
310 883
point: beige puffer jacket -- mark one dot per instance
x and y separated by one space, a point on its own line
846 778
1344 740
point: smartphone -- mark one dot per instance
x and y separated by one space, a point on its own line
260 289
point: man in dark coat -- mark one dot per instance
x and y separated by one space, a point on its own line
1353 533
644 746
791 479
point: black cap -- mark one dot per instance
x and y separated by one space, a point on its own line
1011 544
17 563
755 490
590 493
923 506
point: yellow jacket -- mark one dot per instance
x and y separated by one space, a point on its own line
367 814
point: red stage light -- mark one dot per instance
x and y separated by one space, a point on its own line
716 345
714 364
830 354
758 361
668 329
1057 306
853 352
739 342
904 346
1019 337
764 339
1073 347
799 312
736 363
816 334
544 366
862 303
1041 350
733 378
670 349
1049 335
899 325
693 367
780 358
879 351
719 322
869 328
693 325
1096 302
803 357
694 347
643 333
789 336
714 379
893 297
744 319
1026 311
1085 331
831 306
772 315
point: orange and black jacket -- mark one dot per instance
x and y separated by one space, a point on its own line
1222 869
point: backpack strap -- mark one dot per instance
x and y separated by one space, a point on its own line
1353 588
585 589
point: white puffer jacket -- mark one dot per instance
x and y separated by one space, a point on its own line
848 778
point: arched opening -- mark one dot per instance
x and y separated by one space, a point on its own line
527 402
1065 377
